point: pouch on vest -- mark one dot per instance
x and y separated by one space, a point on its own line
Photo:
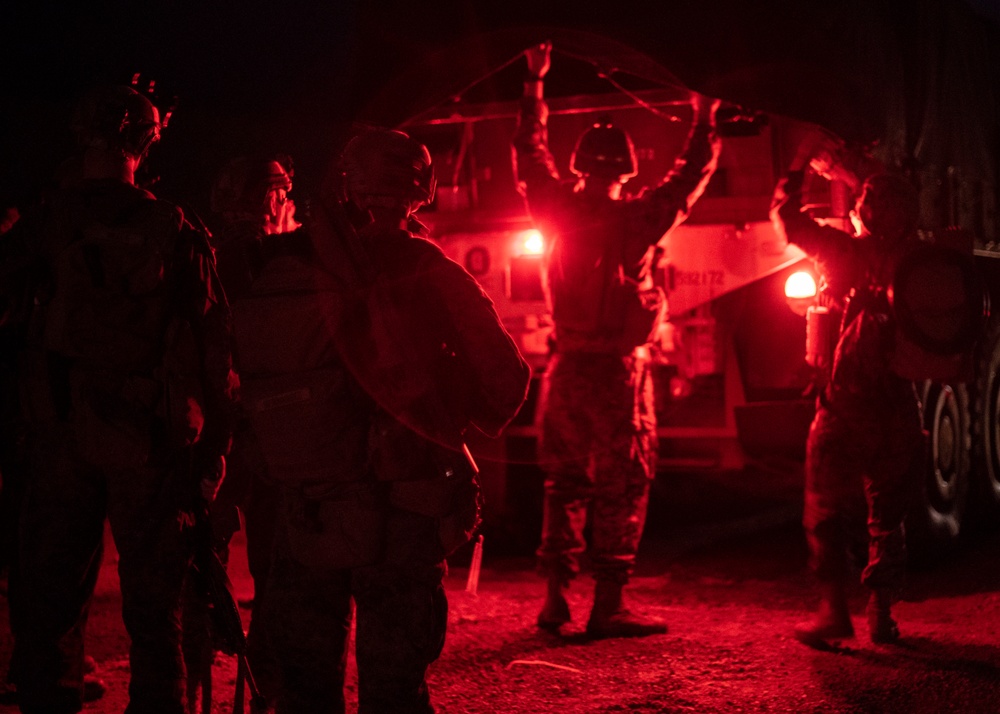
341 528
455 502
643 312
302 428
439 483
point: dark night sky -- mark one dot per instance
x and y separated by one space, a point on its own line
291 75
274 75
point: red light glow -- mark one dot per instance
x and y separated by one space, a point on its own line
531 242
800 285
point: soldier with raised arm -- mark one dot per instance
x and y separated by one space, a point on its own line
598 424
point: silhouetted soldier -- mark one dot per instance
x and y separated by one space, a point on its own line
598 424
128 391
251 197
365 354
866 441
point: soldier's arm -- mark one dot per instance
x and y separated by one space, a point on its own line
205 306
669 203
535 169
833 250
489 356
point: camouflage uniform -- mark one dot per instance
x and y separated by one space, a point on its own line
118 273
598 441
401 612
866 446
370 523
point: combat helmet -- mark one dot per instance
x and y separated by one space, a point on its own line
246 185
387 169
604 150
116 118
888 207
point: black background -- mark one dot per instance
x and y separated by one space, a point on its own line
294 75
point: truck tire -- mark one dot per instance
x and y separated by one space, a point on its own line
986 429
935 520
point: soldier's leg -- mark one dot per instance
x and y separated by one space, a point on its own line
890 488
565 452
624 467
835 460
60 539
307 620
151 517
261 517
402 613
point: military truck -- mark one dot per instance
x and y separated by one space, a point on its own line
913 82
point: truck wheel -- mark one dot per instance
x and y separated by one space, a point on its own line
986 428
936 519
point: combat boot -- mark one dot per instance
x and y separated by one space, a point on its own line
832 620
881 627
555 611
610 618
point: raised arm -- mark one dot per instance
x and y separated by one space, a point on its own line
833 250
669 203
534 166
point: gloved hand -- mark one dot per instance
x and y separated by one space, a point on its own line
820 149
212 474
704 108
539 59
787 187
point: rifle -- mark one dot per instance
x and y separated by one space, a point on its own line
213 584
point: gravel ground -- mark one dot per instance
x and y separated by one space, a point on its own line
731 592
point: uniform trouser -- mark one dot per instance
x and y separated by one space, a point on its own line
244 489
261 513
862 468
598 450
61 531
401 613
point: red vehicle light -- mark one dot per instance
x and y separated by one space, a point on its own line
530 242
800 285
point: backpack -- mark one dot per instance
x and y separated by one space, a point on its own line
109 318
309 417
111 301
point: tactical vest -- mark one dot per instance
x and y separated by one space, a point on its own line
106 318
308 414
600 300
112 292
